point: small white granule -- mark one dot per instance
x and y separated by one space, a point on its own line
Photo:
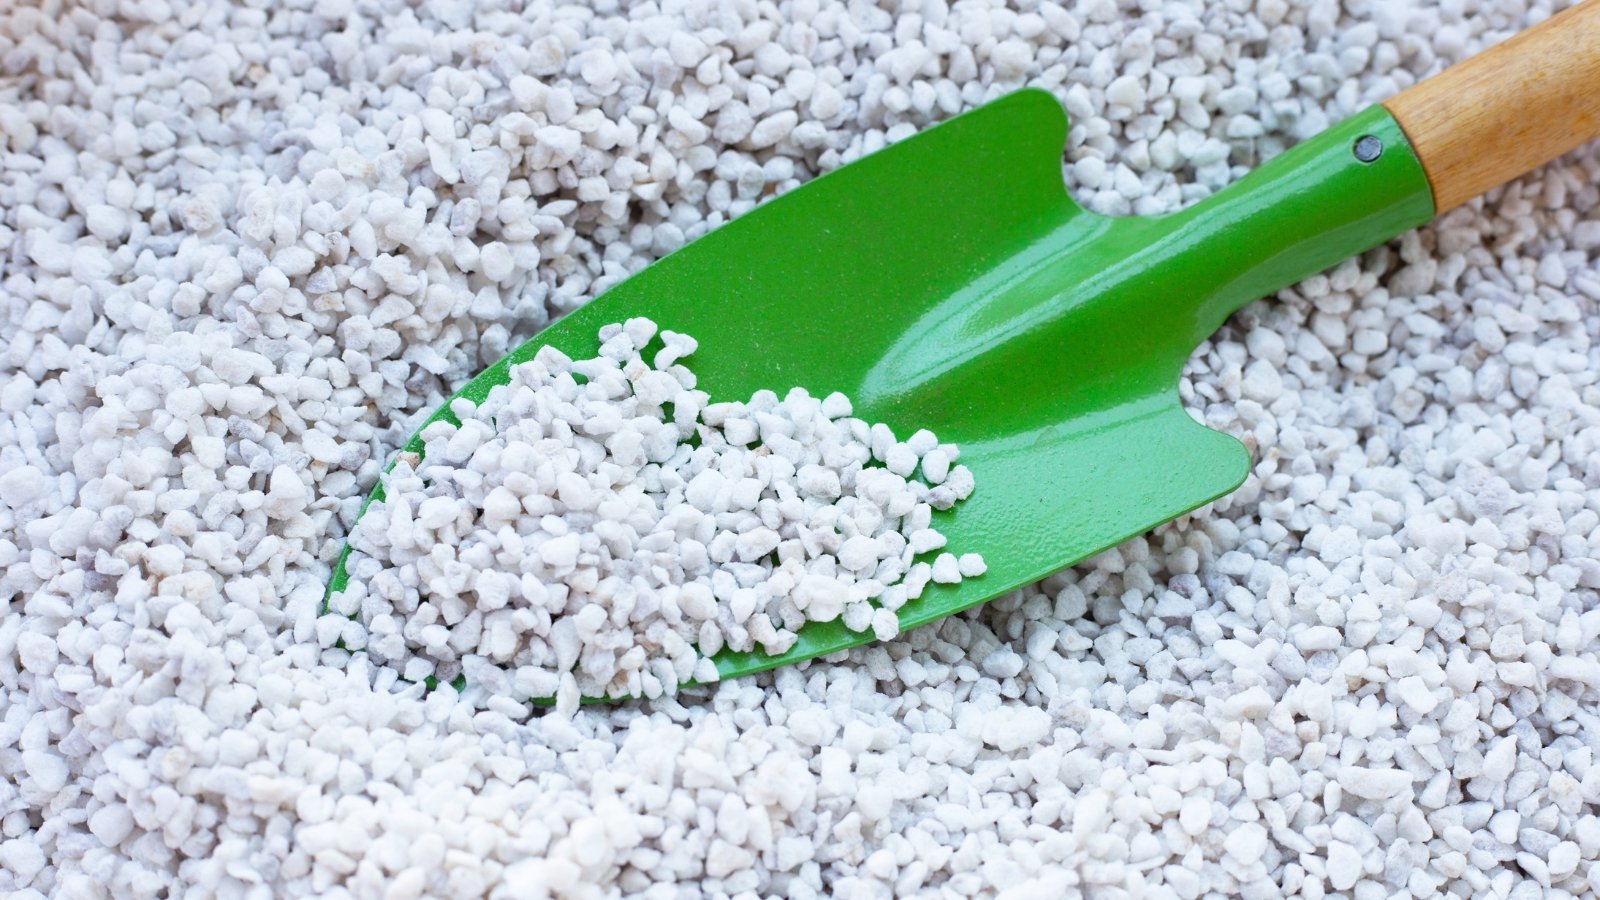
604 518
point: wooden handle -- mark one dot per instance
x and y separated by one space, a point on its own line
1507 110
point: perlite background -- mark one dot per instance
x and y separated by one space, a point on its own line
241 242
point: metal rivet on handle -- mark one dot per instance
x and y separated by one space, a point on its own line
1368 147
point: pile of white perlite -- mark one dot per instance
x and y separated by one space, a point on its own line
600 528
247 247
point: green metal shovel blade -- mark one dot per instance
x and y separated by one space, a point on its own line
949 282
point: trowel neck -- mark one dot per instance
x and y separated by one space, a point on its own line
1348 189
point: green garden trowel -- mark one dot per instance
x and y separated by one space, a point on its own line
949 282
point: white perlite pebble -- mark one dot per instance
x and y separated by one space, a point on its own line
605 518
240 239
1373 784
46 771
1009 730
1344 865
111 824
1246 843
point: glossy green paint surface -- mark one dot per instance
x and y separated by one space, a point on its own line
949 282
